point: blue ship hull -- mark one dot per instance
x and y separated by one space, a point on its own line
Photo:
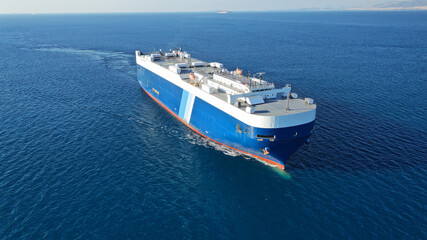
216 125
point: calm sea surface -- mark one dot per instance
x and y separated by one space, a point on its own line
85 154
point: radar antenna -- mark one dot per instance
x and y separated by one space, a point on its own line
260 75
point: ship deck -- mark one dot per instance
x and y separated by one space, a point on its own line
271 107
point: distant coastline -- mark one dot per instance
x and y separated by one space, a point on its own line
411 5
422 8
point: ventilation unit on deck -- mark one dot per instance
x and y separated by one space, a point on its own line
181 65
170 55
198 64
207 88
175 69
254 100
156 56
216 65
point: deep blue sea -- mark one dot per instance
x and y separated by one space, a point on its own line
86 154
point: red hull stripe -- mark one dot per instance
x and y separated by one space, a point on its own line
261 158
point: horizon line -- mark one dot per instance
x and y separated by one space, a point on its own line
236 11
196 11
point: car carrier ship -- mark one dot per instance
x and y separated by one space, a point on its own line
242 112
